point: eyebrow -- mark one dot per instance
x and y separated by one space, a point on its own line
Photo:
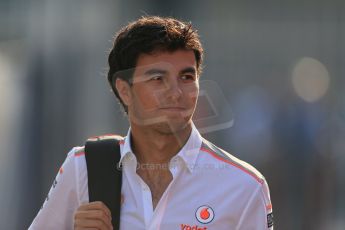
155 71
161 71
188 70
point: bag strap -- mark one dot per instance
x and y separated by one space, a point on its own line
104 176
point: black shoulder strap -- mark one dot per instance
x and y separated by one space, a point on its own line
104 176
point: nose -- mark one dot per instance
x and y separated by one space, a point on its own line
174 90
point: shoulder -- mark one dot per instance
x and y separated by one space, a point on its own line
77 151
246 179
76 160
220 156
76 157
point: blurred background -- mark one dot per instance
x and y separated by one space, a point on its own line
279 66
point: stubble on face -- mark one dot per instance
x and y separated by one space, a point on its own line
152 106
164 124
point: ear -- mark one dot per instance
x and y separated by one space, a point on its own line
124 90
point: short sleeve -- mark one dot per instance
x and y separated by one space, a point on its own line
258 214
62 200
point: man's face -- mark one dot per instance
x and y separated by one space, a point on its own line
164 91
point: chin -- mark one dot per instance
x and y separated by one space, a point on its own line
171 127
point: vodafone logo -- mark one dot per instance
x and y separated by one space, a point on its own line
204 214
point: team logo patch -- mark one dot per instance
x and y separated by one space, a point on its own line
270 220
204 214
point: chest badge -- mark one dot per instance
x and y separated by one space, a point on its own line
204 214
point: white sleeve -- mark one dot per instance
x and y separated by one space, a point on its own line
258 214
62 200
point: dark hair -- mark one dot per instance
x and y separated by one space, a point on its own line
147 35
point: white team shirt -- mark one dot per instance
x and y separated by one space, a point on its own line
211 189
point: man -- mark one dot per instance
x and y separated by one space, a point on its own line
172 177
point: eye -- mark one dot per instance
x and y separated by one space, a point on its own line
188 77
156 78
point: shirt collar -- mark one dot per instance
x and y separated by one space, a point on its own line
126 148
188 153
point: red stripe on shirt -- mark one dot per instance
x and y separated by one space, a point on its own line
233 164
79 154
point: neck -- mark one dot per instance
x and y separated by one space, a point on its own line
154 147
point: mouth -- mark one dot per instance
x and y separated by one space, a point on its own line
173 108
179 111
